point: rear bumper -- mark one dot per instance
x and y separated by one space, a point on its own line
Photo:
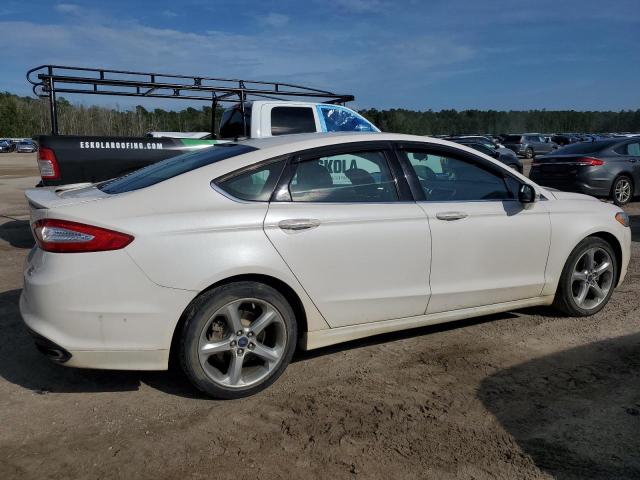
575 183
99 310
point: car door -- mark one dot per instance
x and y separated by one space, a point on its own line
632 157
345 223
487 248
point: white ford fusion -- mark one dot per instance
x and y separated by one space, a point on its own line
229 258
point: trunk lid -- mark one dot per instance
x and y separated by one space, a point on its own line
41 200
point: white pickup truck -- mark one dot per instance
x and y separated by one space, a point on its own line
67 159
271 118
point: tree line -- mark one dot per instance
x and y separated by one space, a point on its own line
29 117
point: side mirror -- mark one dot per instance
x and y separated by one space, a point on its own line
526 193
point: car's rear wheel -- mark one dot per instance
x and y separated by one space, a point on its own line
622 190
588 278
237 339
528 153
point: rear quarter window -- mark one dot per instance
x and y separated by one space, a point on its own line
254 184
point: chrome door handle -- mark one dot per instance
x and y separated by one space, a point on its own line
298 224
449 216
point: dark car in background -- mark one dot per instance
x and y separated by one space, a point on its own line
486 146
7 146
26 146
605 169
564 139
528 145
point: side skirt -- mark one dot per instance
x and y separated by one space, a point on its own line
331 336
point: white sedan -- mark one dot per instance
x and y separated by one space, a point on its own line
229 258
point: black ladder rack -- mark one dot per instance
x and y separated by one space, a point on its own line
49 80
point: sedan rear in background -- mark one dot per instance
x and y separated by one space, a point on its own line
605 169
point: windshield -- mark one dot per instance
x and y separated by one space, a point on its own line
172 167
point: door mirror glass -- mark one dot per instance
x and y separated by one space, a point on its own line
526 193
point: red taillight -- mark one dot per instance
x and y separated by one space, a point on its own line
590 161
63 236
47 164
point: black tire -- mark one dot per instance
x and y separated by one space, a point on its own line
564 300
529 153
615 188
198 315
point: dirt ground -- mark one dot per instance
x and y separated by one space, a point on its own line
526 394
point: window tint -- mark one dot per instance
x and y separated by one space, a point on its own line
339 119
444 178
231 125
288 120
256 184
486 149
513 139
172 167
633 149
356 177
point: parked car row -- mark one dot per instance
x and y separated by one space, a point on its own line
22 146
604 168
489 146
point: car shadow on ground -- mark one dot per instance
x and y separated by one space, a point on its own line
576 412
16 232
21 364
400 335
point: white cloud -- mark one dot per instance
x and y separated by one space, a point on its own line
361 6
276 20
68 8
362 65
170 13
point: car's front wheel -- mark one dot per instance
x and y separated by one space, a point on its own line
588 278
237 339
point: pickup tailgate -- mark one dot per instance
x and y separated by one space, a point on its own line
94 159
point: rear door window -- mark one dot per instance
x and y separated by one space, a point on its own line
349 177
633 149
288 120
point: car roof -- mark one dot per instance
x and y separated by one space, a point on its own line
303 141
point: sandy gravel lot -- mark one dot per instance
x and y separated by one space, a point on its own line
526 394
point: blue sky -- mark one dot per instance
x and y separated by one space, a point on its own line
561 54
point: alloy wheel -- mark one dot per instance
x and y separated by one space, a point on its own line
622 190
242 343
592 278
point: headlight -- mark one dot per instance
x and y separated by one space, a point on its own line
623 219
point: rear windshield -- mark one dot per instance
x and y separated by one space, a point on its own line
172 167
586 147
512 139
